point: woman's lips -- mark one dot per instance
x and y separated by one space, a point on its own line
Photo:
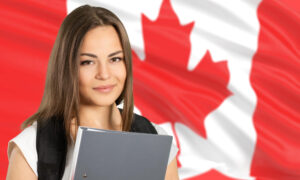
104 89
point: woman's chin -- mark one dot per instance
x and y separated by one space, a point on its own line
103 103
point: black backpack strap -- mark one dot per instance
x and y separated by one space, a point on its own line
51 146
141 124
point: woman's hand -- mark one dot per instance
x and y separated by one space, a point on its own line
172 171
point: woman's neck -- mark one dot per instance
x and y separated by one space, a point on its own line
108 117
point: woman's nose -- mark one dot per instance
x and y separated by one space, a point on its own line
102 71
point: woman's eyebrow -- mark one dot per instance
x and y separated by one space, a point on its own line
95 56
114 53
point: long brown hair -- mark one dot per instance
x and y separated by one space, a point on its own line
61 94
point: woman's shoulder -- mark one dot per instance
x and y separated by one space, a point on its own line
158 128
162 131
25 138
26 142
174 149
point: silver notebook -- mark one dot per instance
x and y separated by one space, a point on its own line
117 155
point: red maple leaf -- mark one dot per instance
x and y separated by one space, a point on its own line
164 89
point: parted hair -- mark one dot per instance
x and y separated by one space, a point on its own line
61 93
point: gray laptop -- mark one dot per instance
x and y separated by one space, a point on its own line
115 155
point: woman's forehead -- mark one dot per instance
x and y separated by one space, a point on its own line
105 38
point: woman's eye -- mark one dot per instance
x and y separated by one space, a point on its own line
116 59
85 62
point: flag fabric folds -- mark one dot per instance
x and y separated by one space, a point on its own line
222 77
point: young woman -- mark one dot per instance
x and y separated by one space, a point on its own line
89 74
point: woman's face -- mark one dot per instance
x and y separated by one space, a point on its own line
102 71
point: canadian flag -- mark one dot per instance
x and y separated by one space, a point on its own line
222 77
